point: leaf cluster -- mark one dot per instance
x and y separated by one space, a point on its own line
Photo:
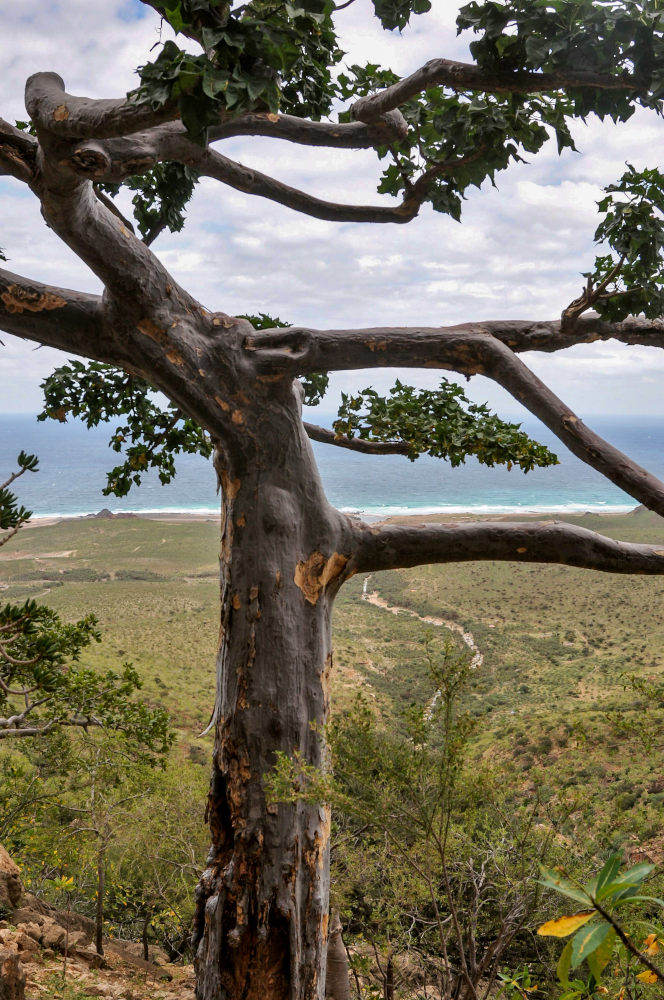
630 278
456 141
151 435
257 56
596 931
162 195
40 679
260 56
442 423
12 516
617 37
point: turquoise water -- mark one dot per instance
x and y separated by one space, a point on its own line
73 462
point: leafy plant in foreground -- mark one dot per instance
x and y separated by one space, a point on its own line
599 939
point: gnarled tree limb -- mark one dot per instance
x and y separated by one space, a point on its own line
392 546
339 135
467 76
213 164
56 317
326 436
469 351
53 110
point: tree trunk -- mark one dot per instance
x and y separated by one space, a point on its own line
337 985
99 911
144 938
262 904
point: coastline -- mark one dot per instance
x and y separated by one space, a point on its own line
414 517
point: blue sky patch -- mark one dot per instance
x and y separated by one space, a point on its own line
133 10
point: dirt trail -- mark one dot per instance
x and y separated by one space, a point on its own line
374 598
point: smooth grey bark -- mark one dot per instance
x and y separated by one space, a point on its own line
262 905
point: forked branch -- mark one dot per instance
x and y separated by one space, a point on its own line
400 546
469 350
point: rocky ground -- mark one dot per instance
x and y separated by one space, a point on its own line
48 953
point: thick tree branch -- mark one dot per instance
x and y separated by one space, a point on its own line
326 436
69 117
55 317
302 349
133 276
213 164
17 153
114 160
399 546
470 351
467 76
352 135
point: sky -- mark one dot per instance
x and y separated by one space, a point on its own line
519 252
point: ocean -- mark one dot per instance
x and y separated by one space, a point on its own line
73 462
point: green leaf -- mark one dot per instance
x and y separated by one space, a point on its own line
586 941
553 879
607 874
564 964
601 956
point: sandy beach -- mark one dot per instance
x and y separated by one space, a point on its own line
175 517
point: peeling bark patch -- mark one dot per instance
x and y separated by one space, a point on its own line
241 522
237 417
237 603
61 113
151 330
222 403
314 575
175 358
230 487
325 681
221 319
522 549
18 300
377 345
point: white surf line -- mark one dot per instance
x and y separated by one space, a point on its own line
379 602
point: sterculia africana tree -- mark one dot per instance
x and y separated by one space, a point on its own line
274 70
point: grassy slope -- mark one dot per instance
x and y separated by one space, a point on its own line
556 643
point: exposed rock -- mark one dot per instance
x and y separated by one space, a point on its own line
75 922
12 975
88 957
26 945
139 963
37 905
11 889
155 955
54 936
32 929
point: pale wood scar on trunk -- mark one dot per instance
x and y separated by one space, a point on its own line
313 576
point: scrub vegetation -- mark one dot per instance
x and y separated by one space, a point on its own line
564 724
